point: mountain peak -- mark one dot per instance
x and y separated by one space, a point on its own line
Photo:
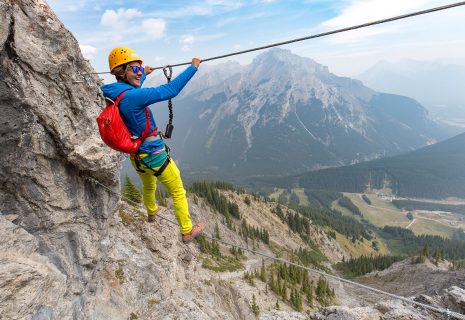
288 59
278 54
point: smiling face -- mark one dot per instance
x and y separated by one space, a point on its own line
132 77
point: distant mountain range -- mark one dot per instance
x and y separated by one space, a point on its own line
436 171
437 86
285 114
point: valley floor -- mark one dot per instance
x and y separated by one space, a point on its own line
381 212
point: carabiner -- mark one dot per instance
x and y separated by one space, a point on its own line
168 71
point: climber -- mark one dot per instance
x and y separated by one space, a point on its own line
152 160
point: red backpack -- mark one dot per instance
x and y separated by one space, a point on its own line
115 133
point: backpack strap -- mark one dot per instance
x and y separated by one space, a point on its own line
120 96
144 133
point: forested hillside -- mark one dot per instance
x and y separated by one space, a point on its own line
436 171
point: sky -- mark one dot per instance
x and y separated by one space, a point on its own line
170 32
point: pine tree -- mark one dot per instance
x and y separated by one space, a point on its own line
298 301
292 298
323 292
425 251
255 307
279 285
263 272
130 191
436 257
279 213
284 292
249 278
441 255
310 295
272 283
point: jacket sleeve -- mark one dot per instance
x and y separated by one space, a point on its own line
147 96
144 75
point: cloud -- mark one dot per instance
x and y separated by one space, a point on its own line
154 28
362 11
118 19
88 51
123 22
187 41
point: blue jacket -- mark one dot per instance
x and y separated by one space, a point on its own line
132 105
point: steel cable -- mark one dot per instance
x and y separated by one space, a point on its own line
319 35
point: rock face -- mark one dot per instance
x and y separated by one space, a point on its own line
384 310
408 279
53 219
381 311
454 298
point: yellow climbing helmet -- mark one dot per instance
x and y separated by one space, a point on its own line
122 55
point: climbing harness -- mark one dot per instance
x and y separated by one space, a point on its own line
138 160
168 71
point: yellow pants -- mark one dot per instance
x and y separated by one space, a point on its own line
171 179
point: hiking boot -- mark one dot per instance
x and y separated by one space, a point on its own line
195 232
151 216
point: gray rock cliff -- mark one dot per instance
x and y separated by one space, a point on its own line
53 218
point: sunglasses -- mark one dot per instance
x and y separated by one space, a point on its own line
136 69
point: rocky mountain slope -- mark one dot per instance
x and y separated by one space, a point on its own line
147 273
284 108
70 249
